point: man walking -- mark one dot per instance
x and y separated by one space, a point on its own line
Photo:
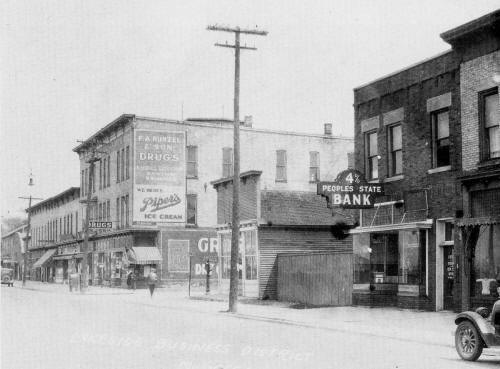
152 279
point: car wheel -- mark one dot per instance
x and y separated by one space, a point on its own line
468 342
6 279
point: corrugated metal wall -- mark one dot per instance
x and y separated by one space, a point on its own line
315 279
274 241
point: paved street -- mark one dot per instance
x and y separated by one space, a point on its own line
47 327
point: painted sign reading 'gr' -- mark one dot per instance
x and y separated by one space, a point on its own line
350 190
159 176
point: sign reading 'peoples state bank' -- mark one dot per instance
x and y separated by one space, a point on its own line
159 176
350 190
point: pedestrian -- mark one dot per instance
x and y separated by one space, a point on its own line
152 279
129 279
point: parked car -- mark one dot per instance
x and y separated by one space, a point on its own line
8 276
477 330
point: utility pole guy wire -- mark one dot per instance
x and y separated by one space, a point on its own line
233 279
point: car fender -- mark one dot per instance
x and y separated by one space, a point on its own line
485 329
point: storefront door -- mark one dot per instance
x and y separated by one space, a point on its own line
449 277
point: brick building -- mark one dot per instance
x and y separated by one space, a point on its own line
152 182
477 45
56 226
408 137
272 222
12 246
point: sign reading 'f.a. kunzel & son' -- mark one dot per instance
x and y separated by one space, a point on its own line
159 176
350 190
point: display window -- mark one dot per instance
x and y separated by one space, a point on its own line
486 264
247 259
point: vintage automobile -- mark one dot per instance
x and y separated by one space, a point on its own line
477 330
8 276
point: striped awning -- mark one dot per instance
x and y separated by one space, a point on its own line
44 259
144 255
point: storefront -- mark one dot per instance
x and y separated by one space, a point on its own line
44 268
142 260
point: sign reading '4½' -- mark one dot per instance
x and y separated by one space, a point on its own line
350 190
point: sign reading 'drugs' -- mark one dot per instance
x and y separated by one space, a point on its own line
159 176
350 191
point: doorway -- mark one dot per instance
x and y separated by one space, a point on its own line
448 277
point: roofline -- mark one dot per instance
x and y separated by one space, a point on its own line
56 197
108 127
15 230
387 76
472 26
230 179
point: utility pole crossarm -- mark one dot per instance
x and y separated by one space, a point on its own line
237 30
234 46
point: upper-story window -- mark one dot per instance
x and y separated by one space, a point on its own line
109 171
281 165
122 163
440 138
371 155
192 162
227 161
191 209
127 163
395 150
490 119
313 166
100 174
104 174
118 166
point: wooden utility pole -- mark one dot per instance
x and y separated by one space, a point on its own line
233 277
28 231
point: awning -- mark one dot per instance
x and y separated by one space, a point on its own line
68 256
144 255
393 227
44 259
470 222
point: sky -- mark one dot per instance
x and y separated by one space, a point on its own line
68 68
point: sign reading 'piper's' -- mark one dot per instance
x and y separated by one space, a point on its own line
350 190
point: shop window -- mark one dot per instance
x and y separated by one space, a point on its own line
371 155
227 162
395 150
313 166
191 209
440 138
281 166
192 162
486 270
250 240
489 107
247 259
390 258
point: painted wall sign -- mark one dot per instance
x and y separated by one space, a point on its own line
159 176
350 190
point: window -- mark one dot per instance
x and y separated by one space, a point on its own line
109 171
118 213
371 149
440 139
126 210
104 174
281 165
191 209
100 174
118 166
86 186
192 161
127 164
486 268
227 162
395 151
122 212
108 212
490 118
99 215
122 163
82 183
313 166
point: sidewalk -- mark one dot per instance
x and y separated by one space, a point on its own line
64 288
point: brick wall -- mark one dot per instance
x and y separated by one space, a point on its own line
475 76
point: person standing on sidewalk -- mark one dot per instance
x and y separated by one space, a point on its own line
152 279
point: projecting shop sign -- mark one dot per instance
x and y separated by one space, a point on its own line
159 176
350 191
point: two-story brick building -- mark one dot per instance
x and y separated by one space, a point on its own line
152 182
12 250
477 45
56 225
408 137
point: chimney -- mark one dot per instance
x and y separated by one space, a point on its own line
328 129
248 121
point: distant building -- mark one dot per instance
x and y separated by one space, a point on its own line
56 226
477 45
12 250
152 181
272 222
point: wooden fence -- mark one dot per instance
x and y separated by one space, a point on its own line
316 279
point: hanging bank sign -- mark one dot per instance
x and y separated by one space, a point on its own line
350 191
159 176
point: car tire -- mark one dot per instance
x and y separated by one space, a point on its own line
468 342
6 279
